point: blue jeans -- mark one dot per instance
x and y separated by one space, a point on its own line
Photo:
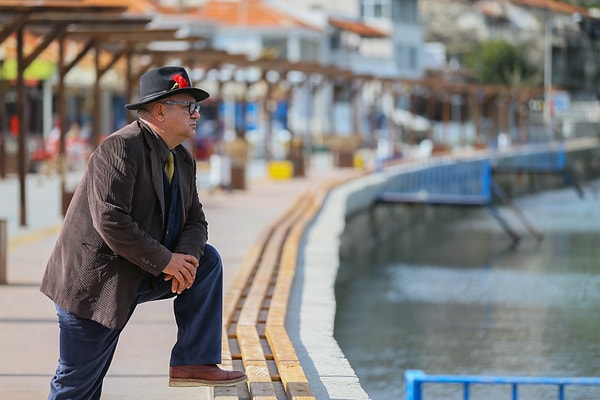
87 348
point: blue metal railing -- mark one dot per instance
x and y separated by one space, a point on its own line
415 379
546 159
470 183
443 181
456 182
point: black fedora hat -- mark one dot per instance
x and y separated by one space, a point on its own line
164 82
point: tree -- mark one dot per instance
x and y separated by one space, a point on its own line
499 62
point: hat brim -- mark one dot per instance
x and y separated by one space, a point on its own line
198 94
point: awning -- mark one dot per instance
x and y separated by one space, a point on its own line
39 70
358 27
409 120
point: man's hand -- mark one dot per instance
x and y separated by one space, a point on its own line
181 271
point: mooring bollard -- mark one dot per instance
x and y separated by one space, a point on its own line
3 251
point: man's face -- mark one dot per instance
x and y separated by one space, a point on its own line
178 122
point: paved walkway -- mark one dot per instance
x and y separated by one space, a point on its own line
29 331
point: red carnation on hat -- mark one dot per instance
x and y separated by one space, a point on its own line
180 82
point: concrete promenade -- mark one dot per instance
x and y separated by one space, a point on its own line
29 331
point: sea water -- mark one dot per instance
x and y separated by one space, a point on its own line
463 298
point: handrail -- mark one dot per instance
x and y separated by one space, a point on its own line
471 182
414 380
442 182
550 158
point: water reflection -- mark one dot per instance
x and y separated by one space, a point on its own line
457 299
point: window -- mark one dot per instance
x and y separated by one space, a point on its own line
413 58
375 9
275 47
400 57
405 11
407 57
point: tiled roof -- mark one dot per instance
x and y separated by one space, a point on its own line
141 7
358 27
83 9
249 13
30 41
80 4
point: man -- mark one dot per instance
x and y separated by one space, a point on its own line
134 233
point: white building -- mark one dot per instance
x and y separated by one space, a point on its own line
377 38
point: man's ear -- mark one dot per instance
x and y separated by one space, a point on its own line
158 111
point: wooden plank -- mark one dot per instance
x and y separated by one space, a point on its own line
294 381
240 281
287 268
262 391
260 383
249 342
261 294
257 371
281 345
290 371
252 305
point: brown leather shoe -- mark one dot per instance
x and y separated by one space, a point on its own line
204 375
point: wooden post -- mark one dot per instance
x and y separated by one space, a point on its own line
3 251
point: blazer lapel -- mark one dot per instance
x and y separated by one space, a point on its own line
157 178
156 166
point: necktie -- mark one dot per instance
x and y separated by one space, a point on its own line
170 167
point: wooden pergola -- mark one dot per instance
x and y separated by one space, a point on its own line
117 35
103 26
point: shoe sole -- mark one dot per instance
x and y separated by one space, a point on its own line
191 382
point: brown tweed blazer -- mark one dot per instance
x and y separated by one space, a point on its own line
112 230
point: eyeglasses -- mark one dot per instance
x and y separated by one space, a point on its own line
191 105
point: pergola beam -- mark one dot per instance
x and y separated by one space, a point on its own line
15 18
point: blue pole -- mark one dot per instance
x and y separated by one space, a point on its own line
561 392
487 180
412 384
561 158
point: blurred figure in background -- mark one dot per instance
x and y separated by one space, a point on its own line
238 150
